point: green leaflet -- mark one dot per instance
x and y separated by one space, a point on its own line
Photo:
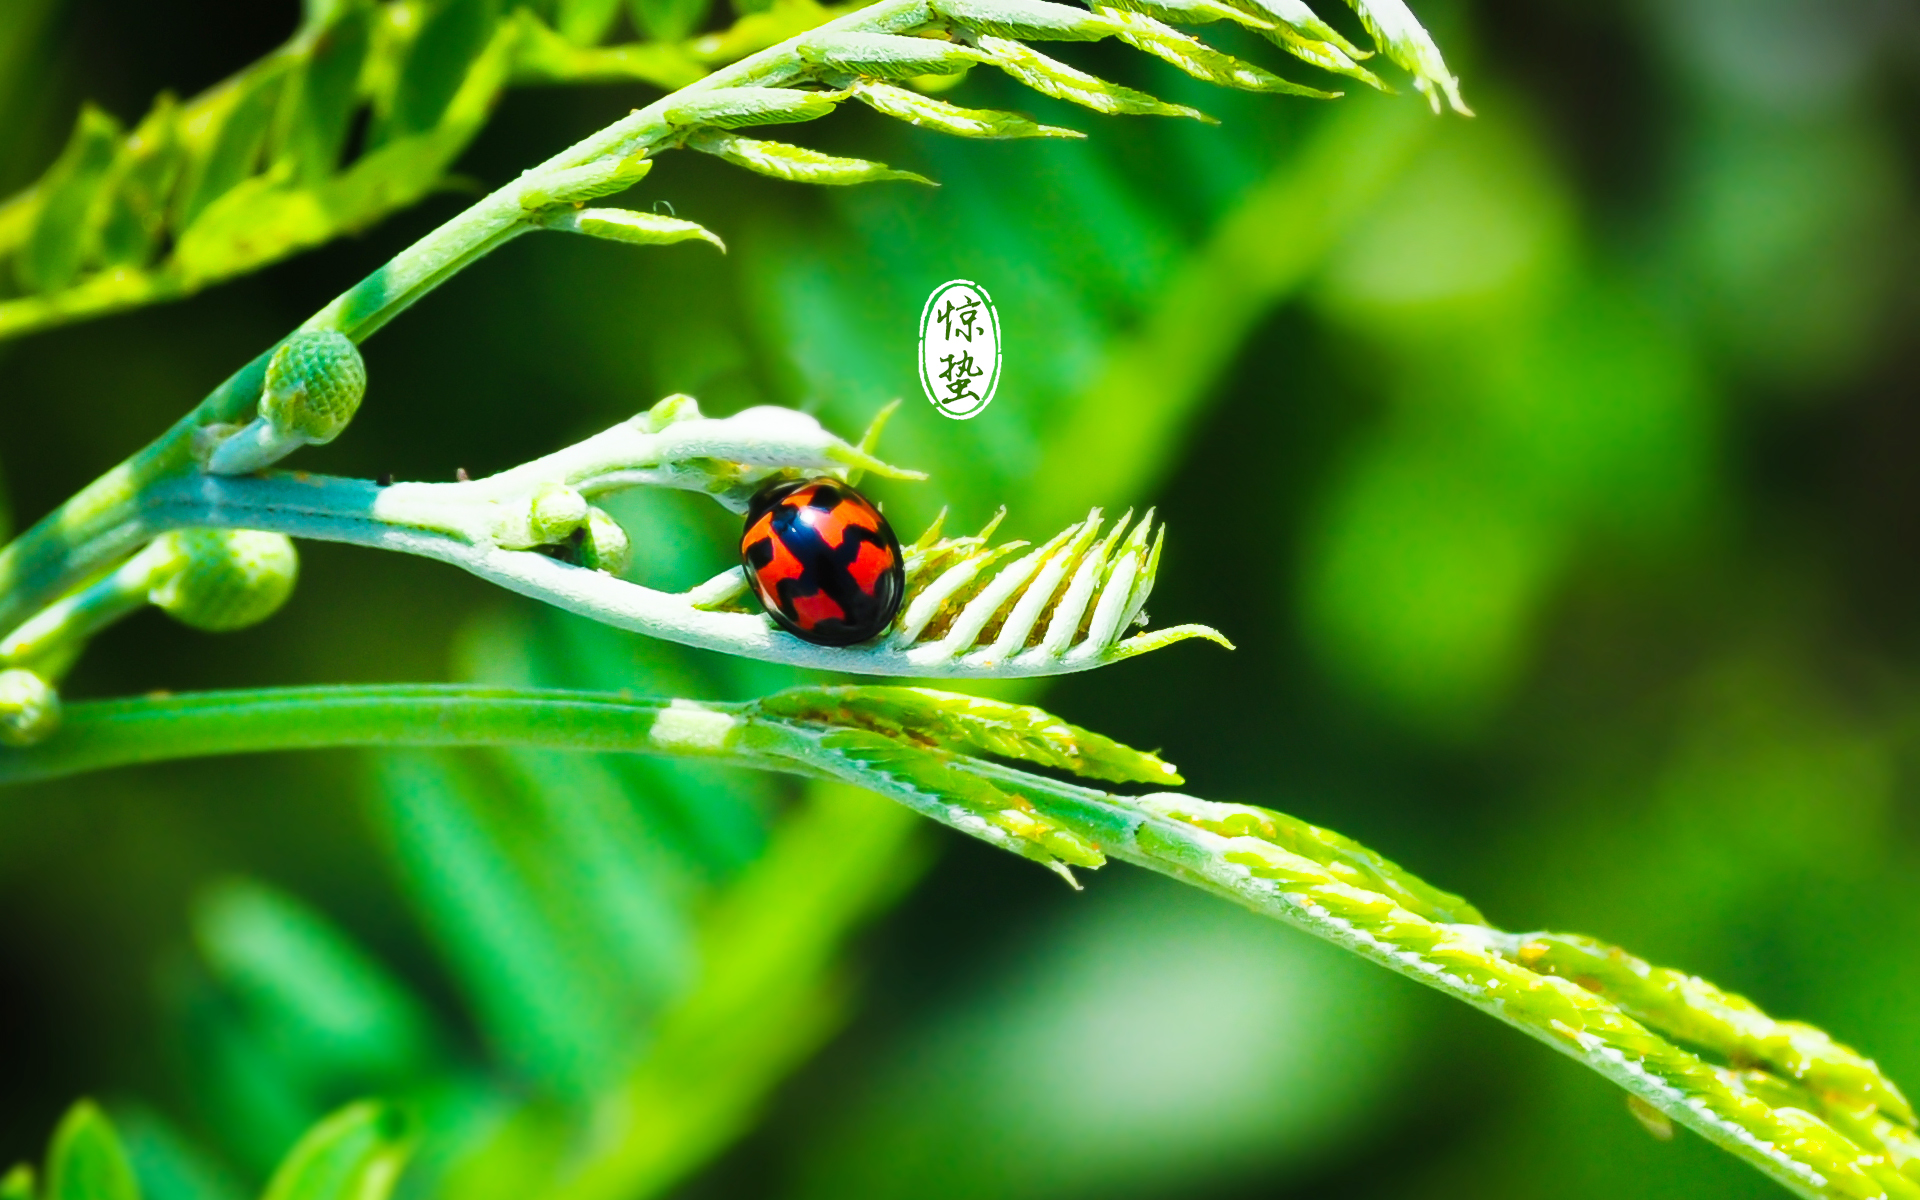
17 1184
264 218
795 163
322 95
930 773
1401 36
544 56
1344 857
317 14
86 1160
1052 78
223 141
732 108
1194 12
585 22
633 228
667 20
1296 15
1036 20
255 222
1020 732
606 177
69 205
144 172
886 55
1696 1011
436 66
916 108
1200 60
1323 54
355 1154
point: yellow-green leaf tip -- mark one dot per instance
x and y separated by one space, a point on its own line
87 1159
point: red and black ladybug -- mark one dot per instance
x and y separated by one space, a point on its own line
823 561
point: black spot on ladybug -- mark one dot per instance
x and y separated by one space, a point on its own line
823 561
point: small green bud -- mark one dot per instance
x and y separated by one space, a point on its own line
576 185
556 512
677 407
633 228
606 546
88 1159
29 708
228 578
17 1184
314 384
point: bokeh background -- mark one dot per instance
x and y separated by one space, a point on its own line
1553 471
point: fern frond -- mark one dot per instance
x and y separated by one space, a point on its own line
1812 1114
1696 1011
974 724
257 168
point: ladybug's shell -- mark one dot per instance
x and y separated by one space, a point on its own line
823 561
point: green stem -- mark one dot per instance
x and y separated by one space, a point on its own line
115 733
50 641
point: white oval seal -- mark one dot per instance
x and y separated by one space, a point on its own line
959 349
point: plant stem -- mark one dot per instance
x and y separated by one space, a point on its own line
459 524
113 733
58 631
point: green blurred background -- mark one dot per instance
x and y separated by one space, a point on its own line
1551 469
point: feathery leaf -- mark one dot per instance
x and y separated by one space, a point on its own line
916 108
1033 20
1411 47
922 716
732 108
1200 60
634 228
885 55
1050 77
796 163
69 205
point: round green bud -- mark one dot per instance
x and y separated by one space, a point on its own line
606 546
29 708
557 511
228 578
314 384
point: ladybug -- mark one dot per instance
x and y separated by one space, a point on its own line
823 561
